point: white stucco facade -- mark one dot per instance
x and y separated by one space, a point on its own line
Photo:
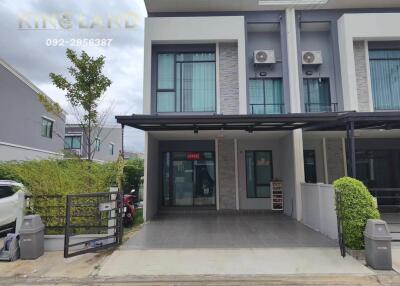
184 30
356 27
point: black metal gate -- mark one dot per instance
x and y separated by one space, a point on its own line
338 199
92 222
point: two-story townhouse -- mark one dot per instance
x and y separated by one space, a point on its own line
27 130
240 93
106 142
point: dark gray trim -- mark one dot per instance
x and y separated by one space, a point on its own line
187 146
308 121
386 45
322 12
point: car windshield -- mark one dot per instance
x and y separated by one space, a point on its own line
6 191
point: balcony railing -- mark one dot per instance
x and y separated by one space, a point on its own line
320 107
273 108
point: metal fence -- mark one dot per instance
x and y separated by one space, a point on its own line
97 214
51 209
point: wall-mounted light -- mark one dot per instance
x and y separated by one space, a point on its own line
263 73
309 73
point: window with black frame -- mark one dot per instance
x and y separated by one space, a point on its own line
72 142
385 79
47 128
310 170
186 82
259 173
266 96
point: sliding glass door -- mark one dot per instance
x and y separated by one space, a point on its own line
317 96
385 79
266 96
188 179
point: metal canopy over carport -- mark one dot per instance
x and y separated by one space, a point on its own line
329 121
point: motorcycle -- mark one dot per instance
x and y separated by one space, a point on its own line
129 210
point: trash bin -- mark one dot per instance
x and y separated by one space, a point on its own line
378 251
31 237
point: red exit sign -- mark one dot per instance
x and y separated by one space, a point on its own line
193 156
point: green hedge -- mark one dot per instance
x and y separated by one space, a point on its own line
49 181
357 206
61 177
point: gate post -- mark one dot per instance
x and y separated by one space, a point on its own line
351 152
67 225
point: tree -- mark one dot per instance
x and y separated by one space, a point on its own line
134 171
85 93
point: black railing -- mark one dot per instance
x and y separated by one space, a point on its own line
387 198
272 108
320 107
338 204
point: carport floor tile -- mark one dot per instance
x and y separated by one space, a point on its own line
191 231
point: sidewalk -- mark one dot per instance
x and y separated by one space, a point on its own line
303 280
94 269
256 261
53 264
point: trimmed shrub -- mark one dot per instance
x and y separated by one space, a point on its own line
357 206
49 181
60 177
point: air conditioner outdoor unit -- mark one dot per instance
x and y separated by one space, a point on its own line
264 57
312 57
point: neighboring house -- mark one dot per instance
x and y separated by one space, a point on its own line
238 93
27 130
106 144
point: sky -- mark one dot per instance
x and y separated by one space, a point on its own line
34 35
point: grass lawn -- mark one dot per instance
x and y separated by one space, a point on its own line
139 217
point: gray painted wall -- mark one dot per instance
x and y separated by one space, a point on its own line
268 41
228 78
107 136
288 175
226 174
21 116
189 145
152 185
319 41
335 159
378 144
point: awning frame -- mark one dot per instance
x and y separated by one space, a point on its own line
327 121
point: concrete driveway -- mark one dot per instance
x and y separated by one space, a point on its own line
244 244
194 231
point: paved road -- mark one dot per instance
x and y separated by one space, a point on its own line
387 279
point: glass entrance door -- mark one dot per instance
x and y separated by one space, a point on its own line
182 182
188 179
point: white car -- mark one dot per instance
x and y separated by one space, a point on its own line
12 206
